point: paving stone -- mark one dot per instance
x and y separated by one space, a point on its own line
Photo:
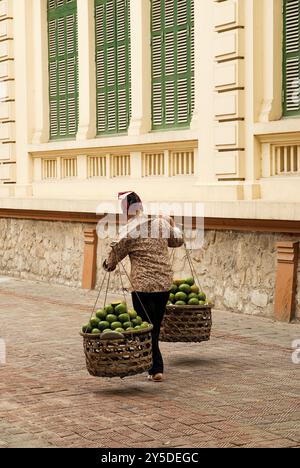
241 389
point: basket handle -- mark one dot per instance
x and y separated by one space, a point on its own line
189 260
191 265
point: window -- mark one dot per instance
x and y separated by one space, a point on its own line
291 58
96 166
63 68
120 165
49 169
68 168
181 163
153 164
113 66
172 33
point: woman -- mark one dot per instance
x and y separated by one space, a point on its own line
146 242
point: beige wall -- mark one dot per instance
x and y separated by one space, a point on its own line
237 137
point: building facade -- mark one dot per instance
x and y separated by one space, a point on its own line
176 99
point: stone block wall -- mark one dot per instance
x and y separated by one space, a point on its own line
42 250
236 269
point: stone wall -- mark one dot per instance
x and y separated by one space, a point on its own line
236 269
42 250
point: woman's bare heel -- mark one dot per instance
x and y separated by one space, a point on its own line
156 377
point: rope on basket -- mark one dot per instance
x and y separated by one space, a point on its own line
187 258
100 290
192 268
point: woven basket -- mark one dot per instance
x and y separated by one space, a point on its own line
187 324
128 356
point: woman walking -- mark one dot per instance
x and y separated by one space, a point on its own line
146 242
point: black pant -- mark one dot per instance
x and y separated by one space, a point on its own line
155 305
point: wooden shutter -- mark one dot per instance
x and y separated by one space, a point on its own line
63 68
112 19
291 54
172 32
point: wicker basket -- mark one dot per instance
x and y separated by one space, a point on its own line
124 357
187 324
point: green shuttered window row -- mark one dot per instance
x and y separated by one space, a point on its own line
172 36
291 58
112 19
63 68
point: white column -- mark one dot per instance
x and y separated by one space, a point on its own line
254 84
140 67
24 82
41 75
203 119
136 164
82 167
87 70
271 50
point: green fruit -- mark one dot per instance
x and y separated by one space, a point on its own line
178 282
138 327
116 325
193 296
169 303
132 314
190 281
172 297
127 325
120 330
94 322
129 329
193 301
124 318
115 304
106 330
145 325
202 303
96 331
180 296
103 325
101 314
180 303
121 309
136 322
186 288
109 309
174 288
111 318
86 328
202 296
195 289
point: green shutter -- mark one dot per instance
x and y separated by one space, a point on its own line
112 18
172 40
291 58
63 68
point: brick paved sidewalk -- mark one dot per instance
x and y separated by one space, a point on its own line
239 390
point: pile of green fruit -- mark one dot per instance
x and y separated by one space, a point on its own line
115 317
186 292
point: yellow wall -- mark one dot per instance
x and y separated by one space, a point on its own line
237 136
